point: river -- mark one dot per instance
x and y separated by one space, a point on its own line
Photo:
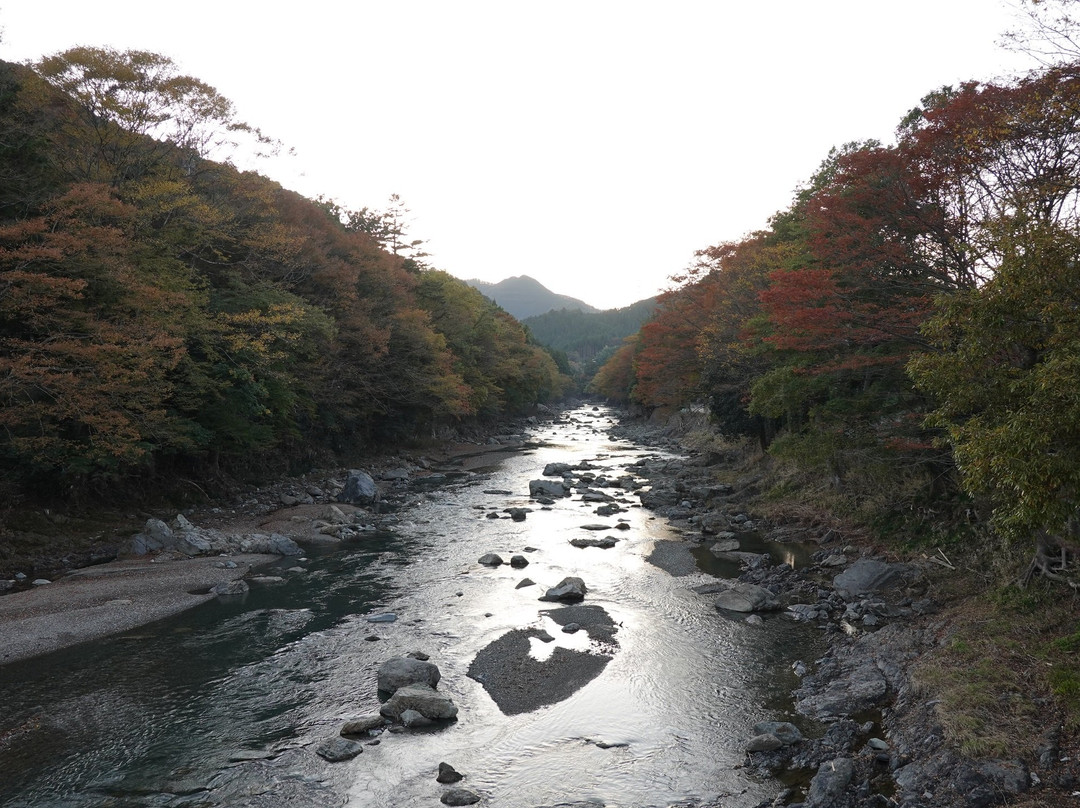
225 705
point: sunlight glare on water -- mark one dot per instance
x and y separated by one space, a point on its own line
224 706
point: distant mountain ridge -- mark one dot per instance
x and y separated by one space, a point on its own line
523 297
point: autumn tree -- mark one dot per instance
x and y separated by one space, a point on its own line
1002 358
89 334
504 372
389 227
1049 30
615 378
730 347
139 110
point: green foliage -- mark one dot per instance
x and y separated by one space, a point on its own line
588 338
1004 376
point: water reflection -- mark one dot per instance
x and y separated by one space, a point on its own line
223 706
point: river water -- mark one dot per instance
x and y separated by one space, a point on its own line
225 705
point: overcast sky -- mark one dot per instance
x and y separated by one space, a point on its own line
591 144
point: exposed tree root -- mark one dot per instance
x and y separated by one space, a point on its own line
1053 557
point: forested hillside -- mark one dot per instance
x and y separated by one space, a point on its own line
588 338
906 335
162 311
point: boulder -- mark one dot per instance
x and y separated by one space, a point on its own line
785 731
181 522
192 543
568 590
283 545
991 782
713 524
448 774
361 725
829 783
274 544
339 749
490 560
412 718
460 796
519 561
422 698
335 516
403 671
155 536
517 514
853 691
744 597
557 469
360 489
751 560
158 531
869 576
728 545
547 488
765 742
589 495
266 580
230 589
604 544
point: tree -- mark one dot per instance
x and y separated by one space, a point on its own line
615 378
89 335
138 109
730 347
1004 377
1050 31
388 228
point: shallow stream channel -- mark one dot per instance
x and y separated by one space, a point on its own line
649 704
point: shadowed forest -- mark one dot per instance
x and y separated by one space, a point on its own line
164 313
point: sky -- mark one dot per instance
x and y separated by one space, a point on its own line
591 144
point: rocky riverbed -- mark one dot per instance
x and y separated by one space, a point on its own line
883 743
555 617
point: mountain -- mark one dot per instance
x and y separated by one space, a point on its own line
523 296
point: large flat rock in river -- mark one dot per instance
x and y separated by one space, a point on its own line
519 683
108 599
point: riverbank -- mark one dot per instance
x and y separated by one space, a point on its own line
238 698
938 685
100 601
95 587
876 706
45 541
